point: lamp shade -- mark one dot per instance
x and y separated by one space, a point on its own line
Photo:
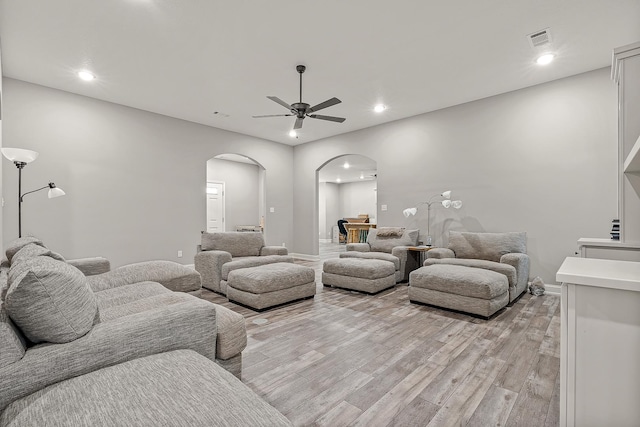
456 204
55 191
19 154
409 211
446 203
446 194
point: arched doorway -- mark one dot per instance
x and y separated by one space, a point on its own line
235 191
347 188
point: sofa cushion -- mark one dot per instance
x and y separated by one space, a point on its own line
16 245
173 276
236 243
12 343
247 262
386 244
125 294
50 300
488 246
33 250
176 388
508 270
373 255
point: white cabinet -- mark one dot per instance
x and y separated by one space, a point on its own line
609 249
600 343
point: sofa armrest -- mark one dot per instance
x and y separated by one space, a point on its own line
187 325
439 253
273 250
232 333
171 275
407 263
209 265
359 247
521 263
91 266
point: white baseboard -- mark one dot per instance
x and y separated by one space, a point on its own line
552 289
305 257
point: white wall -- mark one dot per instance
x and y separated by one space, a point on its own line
240 192
328 208
542 160
358 198
135 180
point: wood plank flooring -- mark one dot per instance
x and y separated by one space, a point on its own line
349 359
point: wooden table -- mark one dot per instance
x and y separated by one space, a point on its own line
421 252
357 231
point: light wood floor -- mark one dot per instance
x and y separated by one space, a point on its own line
345 358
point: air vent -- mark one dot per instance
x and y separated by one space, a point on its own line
540 38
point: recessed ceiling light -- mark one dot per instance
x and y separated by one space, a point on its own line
292 133
338 180
361 176
346 165
85 75
545 59
379 108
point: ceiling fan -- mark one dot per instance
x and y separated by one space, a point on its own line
302 109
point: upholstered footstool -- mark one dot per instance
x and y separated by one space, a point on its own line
472 290
268 285
377 255
359 274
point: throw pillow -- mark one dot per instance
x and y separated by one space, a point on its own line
16 245
390 231
32 250
50 300
487 246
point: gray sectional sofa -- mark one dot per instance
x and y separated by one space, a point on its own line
127 352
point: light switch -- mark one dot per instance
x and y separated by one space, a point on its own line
272 210
383 207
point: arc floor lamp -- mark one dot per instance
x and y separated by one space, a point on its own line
446 202
20 157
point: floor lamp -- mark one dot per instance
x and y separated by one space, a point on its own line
20 157
447 203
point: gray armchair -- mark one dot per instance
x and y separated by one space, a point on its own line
505 253
384 243
220 253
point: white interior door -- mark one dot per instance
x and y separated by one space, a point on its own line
215 206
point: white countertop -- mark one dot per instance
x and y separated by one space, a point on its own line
603 273
608 243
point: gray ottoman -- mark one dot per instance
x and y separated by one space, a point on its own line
269 285
472 290
377 255
359 274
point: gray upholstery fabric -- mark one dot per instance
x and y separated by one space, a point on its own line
125 294
189 325
359 247
16 245
390 231
209 265
487 246
521 264
50 300
386 244
373 255
407 263
143 305
172 275
33 250
232 333
359 267
273 250
361 284
12 343
178 388
270 277
439 253
478 306
459 280
270 299
233 365
254 261
91 266
508 270
236 243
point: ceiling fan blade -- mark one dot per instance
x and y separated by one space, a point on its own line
298 123
330 118
325 104
281 102
272 115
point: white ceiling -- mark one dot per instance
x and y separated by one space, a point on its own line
189 59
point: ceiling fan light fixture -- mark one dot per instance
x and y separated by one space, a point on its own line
379 108
338 180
